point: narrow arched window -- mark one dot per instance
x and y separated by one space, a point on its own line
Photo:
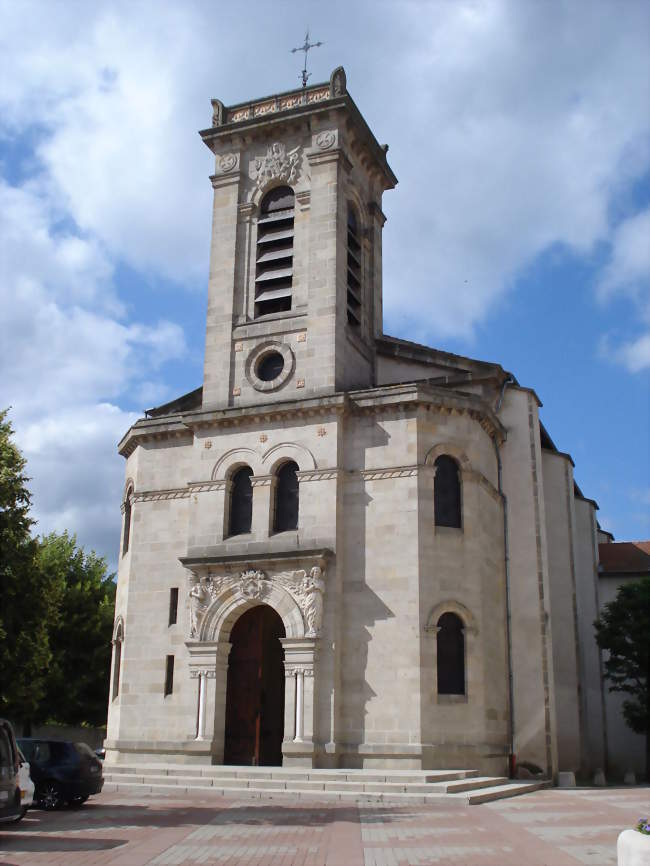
274 254
451 655
286 498
117 659
354 270
446 487
126 535
241 502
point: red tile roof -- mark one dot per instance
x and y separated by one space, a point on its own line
624 557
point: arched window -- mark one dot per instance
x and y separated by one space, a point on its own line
274 254
446 492
118 637
241 502
451 655
286 497
126 535
354 270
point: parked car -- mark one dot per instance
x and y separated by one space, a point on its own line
62 772
11 808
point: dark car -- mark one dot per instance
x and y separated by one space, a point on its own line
62 772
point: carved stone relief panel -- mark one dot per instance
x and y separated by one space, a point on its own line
278 164
306 589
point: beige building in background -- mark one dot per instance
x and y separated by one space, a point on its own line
345 549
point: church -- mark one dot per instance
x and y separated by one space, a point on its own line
345 549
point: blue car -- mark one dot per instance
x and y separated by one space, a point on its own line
62 772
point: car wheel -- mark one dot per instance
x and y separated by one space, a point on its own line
78 800
49 796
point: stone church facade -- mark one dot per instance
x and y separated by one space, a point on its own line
344 549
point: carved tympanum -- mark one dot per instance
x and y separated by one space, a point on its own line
306 590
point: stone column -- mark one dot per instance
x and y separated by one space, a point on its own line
300 655
209 666
262 500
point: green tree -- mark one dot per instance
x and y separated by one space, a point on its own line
624 631
80 637
28 601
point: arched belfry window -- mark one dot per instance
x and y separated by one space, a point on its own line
286 498
126 534
118 637
241 502
451 655
274 254
446 492
354 269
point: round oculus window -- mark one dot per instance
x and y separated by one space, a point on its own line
269 366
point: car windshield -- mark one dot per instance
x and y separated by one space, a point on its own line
85 750
48 751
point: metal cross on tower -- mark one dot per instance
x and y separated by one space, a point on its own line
305 48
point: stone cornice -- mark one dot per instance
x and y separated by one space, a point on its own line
373 401
209 559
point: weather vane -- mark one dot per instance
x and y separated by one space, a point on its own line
305 48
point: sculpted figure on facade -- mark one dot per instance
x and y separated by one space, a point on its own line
278 164
313 588
199 600
305 589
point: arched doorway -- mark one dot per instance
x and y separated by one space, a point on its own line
255 690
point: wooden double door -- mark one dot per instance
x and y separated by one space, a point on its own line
255 690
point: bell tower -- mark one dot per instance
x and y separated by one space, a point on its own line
294 296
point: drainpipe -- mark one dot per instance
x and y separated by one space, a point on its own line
512 758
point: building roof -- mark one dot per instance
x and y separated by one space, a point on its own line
624 557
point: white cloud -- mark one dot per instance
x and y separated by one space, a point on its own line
65 353
635 354
628 274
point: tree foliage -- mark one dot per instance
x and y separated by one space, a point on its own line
80 636
56 614
28 602
624 631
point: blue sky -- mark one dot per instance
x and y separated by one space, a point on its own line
519 231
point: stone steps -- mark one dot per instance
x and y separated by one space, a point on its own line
273 783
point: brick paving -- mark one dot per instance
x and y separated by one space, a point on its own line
547 828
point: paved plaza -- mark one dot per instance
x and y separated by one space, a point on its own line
547 828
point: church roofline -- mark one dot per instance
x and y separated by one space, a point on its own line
276 108
377 399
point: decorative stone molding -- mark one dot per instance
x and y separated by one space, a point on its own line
158 495
306 590
338 82
208 673
218 112
325 139
451 606
261 480
389 472
278 164
292 670
318 474
303 197
451 450
207 486
227 162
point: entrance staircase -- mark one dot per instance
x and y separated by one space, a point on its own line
394 787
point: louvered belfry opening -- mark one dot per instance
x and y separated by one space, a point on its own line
274 259
354 270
